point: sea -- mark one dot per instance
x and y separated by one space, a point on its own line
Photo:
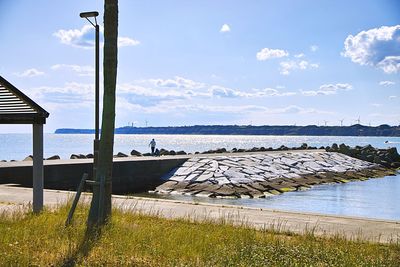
374 198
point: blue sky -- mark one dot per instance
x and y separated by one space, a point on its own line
211 62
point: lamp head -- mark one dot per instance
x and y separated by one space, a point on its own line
89 14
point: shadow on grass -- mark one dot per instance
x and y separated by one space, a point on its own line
90 239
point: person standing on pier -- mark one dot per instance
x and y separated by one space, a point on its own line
152 145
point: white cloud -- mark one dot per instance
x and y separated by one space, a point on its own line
85 37
314 48
328 89
225 28
220 91
176 82
181 88
267 92
292 109
386 83
70 95
301 55
186 108
287 66
390 64
126 41
393 97
267 53
378 47
376 105
157 94
81 70
29 73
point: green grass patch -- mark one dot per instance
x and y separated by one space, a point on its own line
132 239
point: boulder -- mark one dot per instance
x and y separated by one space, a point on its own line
53 157
282 147
28 158
377 159
121 155
335 147
172 152
89 156
395 165
74 156
78 156
344 149
181 152
368 148
135 153
369 158
146 154
304 146
220 150
164 152
385 163
392 154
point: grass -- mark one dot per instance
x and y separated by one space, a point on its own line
134 239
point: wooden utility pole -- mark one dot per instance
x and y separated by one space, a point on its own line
100 208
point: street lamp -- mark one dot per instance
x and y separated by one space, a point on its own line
88 15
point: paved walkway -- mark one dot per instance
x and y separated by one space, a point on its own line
299 222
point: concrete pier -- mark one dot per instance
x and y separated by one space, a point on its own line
130 174
248 174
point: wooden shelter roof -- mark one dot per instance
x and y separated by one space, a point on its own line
17 108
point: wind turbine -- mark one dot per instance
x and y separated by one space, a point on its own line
358 120
341 122
325 122
146 122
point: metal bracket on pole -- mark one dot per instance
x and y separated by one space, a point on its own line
76 199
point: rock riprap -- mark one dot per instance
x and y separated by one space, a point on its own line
262 174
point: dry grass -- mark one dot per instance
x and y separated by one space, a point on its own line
135 239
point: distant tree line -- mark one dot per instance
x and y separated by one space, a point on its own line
354 130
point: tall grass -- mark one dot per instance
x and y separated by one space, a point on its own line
142 240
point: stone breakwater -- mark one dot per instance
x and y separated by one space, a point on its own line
258 175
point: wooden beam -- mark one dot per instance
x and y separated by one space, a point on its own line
37 168
22 118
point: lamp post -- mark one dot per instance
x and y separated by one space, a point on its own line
87 15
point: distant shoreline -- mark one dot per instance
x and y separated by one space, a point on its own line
310 130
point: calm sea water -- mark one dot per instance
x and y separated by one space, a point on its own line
375 198
18 146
